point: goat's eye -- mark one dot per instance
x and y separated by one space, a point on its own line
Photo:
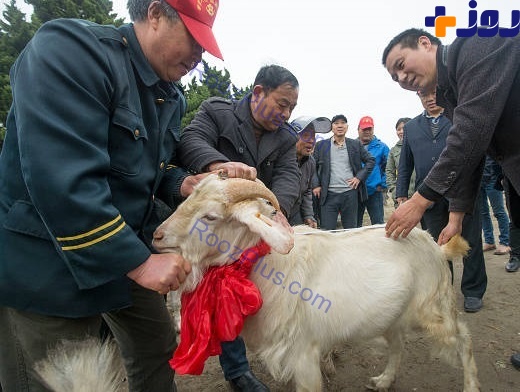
210 217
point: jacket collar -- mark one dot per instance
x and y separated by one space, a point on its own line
443 84
141 64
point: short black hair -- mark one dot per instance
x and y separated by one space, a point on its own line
403 120
339 117
409 39
270 77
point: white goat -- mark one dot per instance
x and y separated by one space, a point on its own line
331 288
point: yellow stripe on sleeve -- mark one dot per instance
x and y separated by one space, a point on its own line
95 241
88 233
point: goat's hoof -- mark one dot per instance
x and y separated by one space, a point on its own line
379 384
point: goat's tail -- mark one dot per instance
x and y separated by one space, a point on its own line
455 248
83 366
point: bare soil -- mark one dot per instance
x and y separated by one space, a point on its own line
495 332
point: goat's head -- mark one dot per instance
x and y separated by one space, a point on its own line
220 219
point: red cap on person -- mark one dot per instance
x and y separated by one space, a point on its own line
366 122
198 17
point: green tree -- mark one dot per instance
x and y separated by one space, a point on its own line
16 31
99 11
209 82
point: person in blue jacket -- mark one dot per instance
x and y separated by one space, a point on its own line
376 181
91 142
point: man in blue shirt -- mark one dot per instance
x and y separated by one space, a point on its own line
376 182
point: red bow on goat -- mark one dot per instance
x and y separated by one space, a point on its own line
215 311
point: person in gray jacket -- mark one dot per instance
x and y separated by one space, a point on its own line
251 139
306 127
477 80
340 176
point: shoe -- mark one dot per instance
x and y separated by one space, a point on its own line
248 382
513 264
488 247
472 304
502 250
515 360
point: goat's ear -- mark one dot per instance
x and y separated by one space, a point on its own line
275 230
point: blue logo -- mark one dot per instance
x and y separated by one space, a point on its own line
488 19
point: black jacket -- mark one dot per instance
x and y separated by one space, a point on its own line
420 151
222 130
357 155
479 87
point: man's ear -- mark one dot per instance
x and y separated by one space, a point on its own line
258 89
425 42
276 232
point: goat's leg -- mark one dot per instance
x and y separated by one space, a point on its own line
465 352
307 373
383 382
451 337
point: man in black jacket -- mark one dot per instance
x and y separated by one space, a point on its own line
249 139
424 140
478 83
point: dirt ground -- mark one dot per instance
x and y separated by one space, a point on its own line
495 332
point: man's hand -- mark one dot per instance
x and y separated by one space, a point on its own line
406 216
234 169
453 227
317 191
311 222
161 272
189 183
353 182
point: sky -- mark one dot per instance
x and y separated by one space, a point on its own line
334 48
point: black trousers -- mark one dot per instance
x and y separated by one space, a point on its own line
513 206
474 277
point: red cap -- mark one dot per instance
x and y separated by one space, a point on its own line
198 17
366 122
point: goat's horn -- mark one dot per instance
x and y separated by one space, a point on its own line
238 189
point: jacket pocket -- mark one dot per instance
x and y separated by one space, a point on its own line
23 218
126 142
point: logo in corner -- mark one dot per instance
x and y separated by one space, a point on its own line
489 26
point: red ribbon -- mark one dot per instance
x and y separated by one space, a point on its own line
216 310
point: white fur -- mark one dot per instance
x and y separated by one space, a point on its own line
83 366
376 287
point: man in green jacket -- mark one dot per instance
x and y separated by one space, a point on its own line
91 142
